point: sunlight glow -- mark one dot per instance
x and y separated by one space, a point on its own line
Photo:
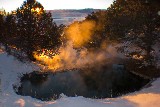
50 62
139 57
37 10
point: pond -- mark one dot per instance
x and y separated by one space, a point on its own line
93 82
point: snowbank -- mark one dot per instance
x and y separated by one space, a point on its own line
10 69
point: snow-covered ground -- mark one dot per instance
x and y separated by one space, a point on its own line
10 69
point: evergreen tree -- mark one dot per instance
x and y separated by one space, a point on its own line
1 27
35 28
136 24
10 28
98 34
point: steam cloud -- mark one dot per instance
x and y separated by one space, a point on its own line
77 35
80 33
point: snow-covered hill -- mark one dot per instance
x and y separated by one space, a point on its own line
10 69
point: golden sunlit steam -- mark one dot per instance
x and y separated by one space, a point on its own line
77 34
50 62
69 58
80 33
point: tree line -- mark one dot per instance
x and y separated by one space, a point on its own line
135 24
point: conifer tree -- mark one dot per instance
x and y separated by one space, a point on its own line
1 27
134 23
35 28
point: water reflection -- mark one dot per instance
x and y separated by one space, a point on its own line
104 82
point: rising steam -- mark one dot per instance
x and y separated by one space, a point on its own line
77 35
80 33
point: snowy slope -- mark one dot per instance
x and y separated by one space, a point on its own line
10 69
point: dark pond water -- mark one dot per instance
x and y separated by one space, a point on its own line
96 82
